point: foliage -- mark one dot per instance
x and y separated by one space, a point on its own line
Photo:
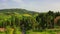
27 20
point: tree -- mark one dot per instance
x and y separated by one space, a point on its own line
27 23
41 20
50 19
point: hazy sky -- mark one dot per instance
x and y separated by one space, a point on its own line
35 5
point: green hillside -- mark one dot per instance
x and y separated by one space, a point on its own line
21 11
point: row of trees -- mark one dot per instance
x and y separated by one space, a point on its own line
28 21
17 20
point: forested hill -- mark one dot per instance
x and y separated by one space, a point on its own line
21 11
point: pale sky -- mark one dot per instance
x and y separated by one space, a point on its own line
33 5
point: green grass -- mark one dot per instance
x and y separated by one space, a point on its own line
43 32
34 33
2 33
17 31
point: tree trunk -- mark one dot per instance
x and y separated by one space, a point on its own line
23 30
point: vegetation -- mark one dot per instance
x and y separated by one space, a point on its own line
16 21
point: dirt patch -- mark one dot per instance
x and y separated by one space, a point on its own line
56 19
2 29
58 33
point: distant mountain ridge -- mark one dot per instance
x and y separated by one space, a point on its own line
18 11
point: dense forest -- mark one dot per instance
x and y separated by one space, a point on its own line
28 19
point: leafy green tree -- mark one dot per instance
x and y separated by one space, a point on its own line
41 20
50 19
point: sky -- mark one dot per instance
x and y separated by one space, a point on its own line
33 5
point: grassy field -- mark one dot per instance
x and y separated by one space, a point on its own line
47 31
16 31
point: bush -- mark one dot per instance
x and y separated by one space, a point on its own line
17 31
9 30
